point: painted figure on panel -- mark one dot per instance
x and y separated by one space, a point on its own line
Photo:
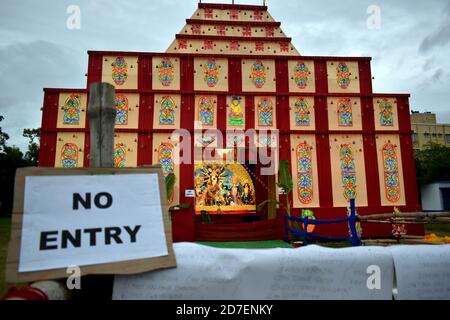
235 113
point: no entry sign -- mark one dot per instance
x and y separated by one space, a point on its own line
89 219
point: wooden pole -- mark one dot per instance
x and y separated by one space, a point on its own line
102 113
418 215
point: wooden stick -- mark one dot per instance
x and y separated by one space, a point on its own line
405 215
410 221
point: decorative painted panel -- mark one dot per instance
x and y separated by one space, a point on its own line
125 149
211 74
72 110
304 171
165 153
120 71
390 169
120 155
343 76
385 113
301 113
348 171
166 111
122 109
265 114
301 76
258 75
69 155
166 73
69 151
391 177
344 113
206 110
127 111
236 112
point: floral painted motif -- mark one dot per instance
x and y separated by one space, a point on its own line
166 72
348 172
69 155
304 173
265 140
302 113
121 103
236 113
211 71
72 110
167 111
386 113
265 112
301 75
391 176
165 158
119 155
120 71
234 140
206 140
206 111
258 74
344 110
343 75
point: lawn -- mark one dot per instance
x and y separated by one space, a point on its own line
249 244
438 229
5 224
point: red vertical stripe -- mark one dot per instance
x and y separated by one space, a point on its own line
234 76
187 74
47 151
282 111
321 114
320 70
365 77
372 174
145 73
145 149
222 113
282 76
146 111
250 109
404 119
94 69
87 149
409 173
324 170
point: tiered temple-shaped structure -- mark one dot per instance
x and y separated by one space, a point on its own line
231 67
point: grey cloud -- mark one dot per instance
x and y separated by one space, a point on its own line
440 37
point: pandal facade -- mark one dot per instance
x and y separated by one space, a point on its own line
232 67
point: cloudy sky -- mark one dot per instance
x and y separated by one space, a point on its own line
410 49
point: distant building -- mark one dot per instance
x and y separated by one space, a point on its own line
427 130
436 196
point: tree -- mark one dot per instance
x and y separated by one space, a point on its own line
11 158
32 155
3 136
432 164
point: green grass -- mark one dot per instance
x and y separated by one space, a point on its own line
5 224
438 229
249 244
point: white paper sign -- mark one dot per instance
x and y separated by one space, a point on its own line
422 271
189 193
86 220
305 273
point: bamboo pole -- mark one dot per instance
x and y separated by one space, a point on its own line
404 215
